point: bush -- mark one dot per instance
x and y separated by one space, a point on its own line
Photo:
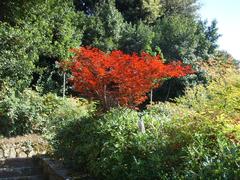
196 137
214 151
29 112
113 147
210 116
75 142
67 110
220 161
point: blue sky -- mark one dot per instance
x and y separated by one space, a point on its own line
227 14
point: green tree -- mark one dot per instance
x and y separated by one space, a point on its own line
140 10
151 10
103 30
136 38
207 39
175 35
180 7
187 39
11 11
17 55
94 31
212 36
147 11
56 27
65 29
184 38
87 6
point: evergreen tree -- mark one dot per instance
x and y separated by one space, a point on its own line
136 38
175 35
187 8
103 30
140 10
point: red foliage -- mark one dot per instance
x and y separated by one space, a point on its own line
117 78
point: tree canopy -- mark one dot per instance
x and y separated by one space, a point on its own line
36 35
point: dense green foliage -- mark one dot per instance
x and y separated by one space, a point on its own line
36 39
36 35
136 38
29 112
143 10
182 140
195 136
104 29
17 57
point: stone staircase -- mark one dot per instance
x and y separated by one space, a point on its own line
21 169
24 158
38 168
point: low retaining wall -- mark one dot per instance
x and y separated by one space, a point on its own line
22 146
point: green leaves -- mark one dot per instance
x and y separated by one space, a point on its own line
41 35
197 137
29 112
140 10
17 56
175 35
136 38
103 30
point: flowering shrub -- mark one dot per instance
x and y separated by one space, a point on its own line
120 79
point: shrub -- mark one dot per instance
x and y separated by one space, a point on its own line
196 137
210 116
67 110
220 161
168 111
20 114
75 142
29 112
214 151
113 147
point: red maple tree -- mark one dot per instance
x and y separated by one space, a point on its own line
119 79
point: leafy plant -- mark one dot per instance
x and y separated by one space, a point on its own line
196 137
112 146
29 112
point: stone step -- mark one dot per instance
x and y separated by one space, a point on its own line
55 170
19 171
18 162
36 177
